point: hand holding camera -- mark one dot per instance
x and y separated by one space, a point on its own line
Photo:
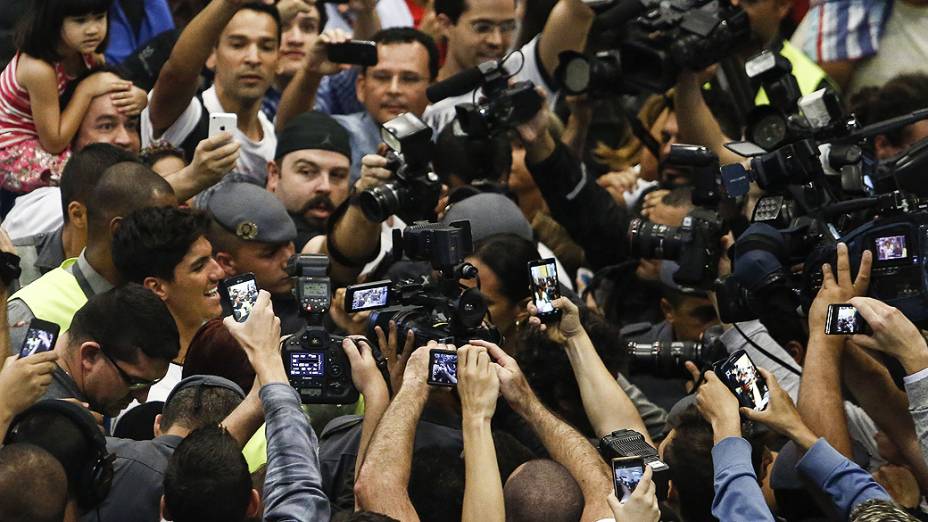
478 383
892 333
641 505
396 358
417 368
781 414
374 172
838 287
365 375
259 336
719 406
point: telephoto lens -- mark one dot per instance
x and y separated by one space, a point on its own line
649 240
666 359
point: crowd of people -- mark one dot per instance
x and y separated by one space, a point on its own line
164 394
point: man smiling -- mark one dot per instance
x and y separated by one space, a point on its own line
166 251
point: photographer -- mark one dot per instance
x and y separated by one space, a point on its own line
901 95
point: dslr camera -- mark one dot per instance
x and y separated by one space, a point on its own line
434 309
415 192
505 107
665 360
316 365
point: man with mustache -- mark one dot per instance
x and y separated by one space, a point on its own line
310 172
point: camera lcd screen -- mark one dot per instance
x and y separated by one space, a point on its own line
627 474
443 368
315 289
890 247
746 383
307 365
242 297
37 341
544 286
370 298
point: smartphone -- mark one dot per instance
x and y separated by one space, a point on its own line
222 122
443 367
844 319
367 296
239 294
740 374
543 283
626 474
40 337
354 52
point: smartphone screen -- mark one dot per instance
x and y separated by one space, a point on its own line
543 278
367 297
241 293
443 367
626 474
40 337
844 319
745 381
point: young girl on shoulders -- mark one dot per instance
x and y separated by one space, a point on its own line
57 41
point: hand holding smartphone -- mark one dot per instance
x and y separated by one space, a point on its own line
220 122
626 474
740 375
40 337
544 286
844 319
239 294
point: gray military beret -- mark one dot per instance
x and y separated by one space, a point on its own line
251 213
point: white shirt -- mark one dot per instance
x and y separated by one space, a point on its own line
392 13
253 155
33 213
529 68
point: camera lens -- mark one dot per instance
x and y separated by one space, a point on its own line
649 240
379 203
664 359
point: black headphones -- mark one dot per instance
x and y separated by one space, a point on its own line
96 474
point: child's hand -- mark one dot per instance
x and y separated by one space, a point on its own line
102 83
130 102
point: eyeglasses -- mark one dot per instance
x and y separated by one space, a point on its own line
133 383
485 27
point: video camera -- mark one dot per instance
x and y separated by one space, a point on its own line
661 38
434 310
664 359
316 365
416 190
505 105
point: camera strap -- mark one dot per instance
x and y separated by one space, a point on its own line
769 355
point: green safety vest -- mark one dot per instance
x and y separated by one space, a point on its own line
808 74
54 297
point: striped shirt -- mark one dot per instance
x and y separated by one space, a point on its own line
836 30
16 122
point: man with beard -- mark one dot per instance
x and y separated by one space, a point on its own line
310 172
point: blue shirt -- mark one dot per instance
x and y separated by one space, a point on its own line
365 138
123 41
337 95
844 29
845 482
293 487
737 493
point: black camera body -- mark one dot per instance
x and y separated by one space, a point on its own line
504 109
898 240
415 192
695 245
434 310
316 365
